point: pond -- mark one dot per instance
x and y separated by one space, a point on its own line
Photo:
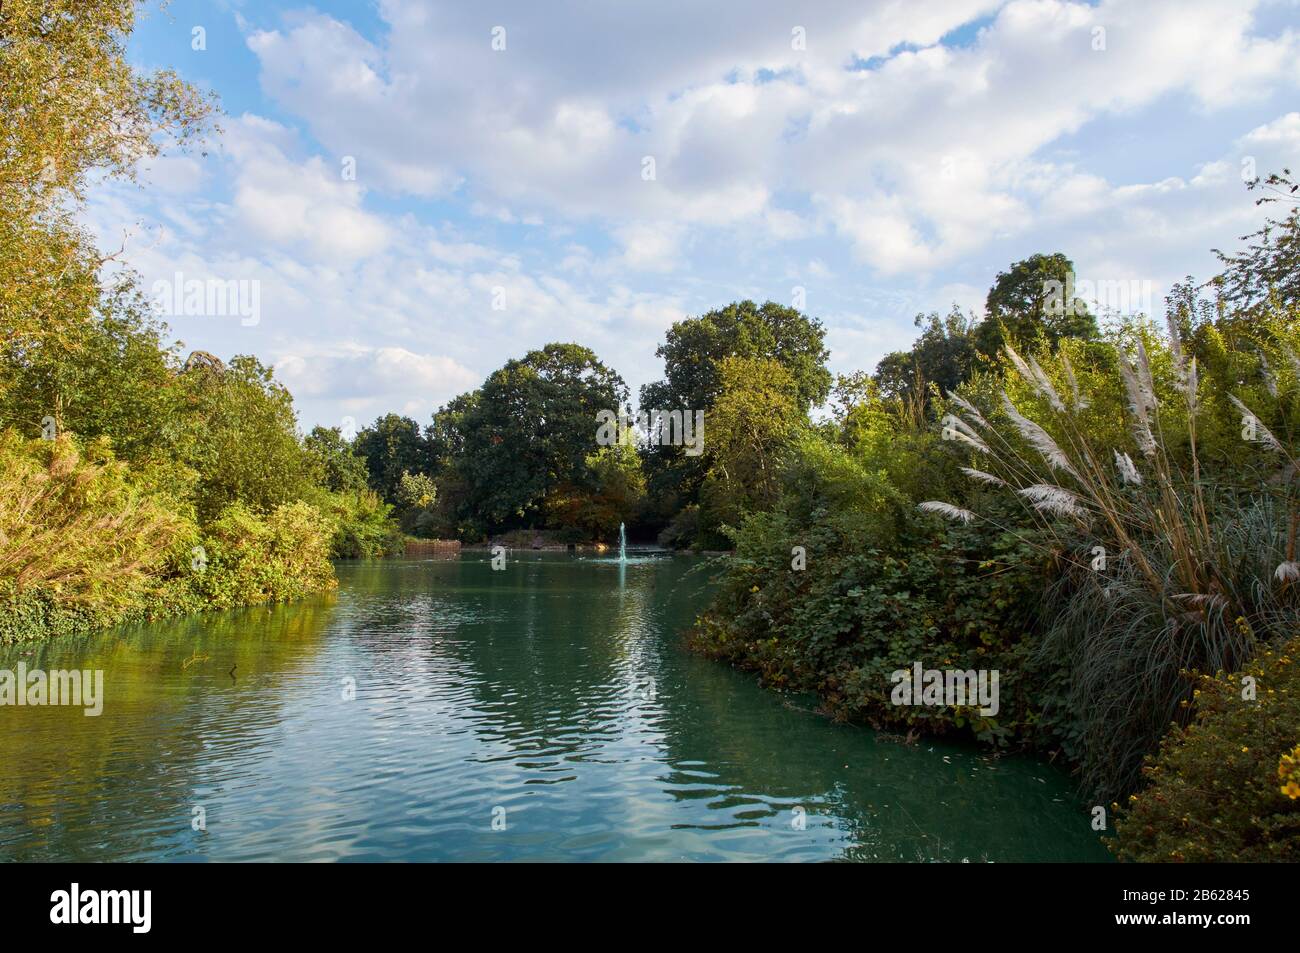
438 709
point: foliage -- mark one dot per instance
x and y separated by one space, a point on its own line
72 106
1222 788
337 466
1265 276
1022 309
521 451
944 355
693 352
753 420
152 462
72 102
73 527
1193 574
946 596
253 558
249 451
615 497
363 524
390 447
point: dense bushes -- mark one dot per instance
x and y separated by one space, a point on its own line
1123 508
273 558
1224 787
83 545
363 524
156 486
77 532
947 597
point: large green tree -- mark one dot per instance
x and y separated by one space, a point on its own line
944 356
693 351
391 446
527 434
1031 303
753 420
249 449
338 467
73 106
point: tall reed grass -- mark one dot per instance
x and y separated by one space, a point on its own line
1166 569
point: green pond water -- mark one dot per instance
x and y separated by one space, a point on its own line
544 712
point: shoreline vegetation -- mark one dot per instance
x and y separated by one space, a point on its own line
1101 508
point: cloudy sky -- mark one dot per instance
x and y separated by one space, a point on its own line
426 189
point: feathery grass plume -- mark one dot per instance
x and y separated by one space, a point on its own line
970 408
1175 342
1128 473
1131 635
1270 379
1293 361
1019 363
1266 435
946 509
1034 376
983 477
952 421
1045 385
1137 403
1143 368
1287 572
1079 402
1039 438
953 433
1057 500
1192 382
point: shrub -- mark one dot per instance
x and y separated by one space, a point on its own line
683 530
960 597
1223 788
80 545
363 524
274 558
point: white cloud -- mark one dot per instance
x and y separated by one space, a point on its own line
875 153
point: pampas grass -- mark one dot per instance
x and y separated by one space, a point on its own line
947 509
1197 576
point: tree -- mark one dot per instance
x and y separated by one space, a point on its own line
338 468
753 420
71 104
248 449
944 355
71 101
391 446
532 428
1267 273
1028 303
106 375
693 351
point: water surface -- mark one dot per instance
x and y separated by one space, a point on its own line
544 712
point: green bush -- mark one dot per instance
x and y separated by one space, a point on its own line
363 524
252 558
1225 787
81 546
949 597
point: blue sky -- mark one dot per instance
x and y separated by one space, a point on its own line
888 158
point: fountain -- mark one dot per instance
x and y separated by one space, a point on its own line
622 544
